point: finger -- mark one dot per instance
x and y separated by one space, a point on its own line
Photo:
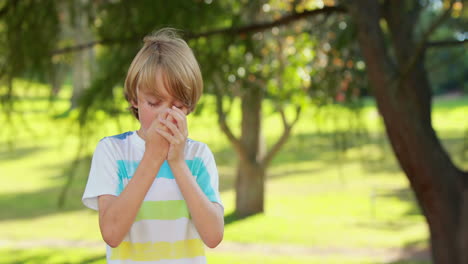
154 124
170 118
170 138
164 114
175 132
179 110
182 111
181 119
181 123
173 129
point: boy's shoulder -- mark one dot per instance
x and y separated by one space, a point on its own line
122 136
115 141
196 147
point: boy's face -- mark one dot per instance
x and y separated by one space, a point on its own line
151 107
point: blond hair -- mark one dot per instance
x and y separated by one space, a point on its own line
167 52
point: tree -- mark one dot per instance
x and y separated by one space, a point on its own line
403 96
256 68
250 147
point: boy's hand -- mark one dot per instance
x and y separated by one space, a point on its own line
155 143
175 132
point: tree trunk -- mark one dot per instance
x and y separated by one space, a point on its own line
82 59
250 183
405 105
250 188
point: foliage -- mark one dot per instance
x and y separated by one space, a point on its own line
447 72
28 34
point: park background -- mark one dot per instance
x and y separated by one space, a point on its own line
287 95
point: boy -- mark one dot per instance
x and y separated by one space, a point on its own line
157 191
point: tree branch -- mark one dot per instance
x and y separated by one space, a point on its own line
420 48
267 25
286 126
285 20
445 43
283 138
222 119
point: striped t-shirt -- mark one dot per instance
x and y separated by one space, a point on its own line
163 232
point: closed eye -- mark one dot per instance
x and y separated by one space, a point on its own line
154 104
179 105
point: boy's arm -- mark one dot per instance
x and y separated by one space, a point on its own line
207 216
117 213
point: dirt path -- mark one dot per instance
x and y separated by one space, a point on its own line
382 254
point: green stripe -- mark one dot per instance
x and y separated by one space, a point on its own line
163 210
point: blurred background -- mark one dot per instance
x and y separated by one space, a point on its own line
340 129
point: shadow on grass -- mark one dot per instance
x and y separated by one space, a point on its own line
15 153
410 262
403 194
414 252
27 205
385 225
38 256
101 258
30 204
233 217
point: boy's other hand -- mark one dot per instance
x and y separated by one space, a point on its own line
154 141
175 132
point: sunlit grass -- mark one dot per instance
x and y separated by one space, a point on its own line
76 256
272 259
95 256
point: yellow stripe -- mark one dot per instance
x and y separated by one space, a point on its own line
160 250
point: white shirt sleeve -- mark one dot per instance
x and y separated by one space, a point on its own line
103 177
207 176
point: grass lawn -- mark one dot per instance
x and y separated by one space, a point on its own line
316 197
82 256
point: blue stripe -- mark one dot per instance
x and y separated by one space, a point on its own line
123 135
126 169
199 170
